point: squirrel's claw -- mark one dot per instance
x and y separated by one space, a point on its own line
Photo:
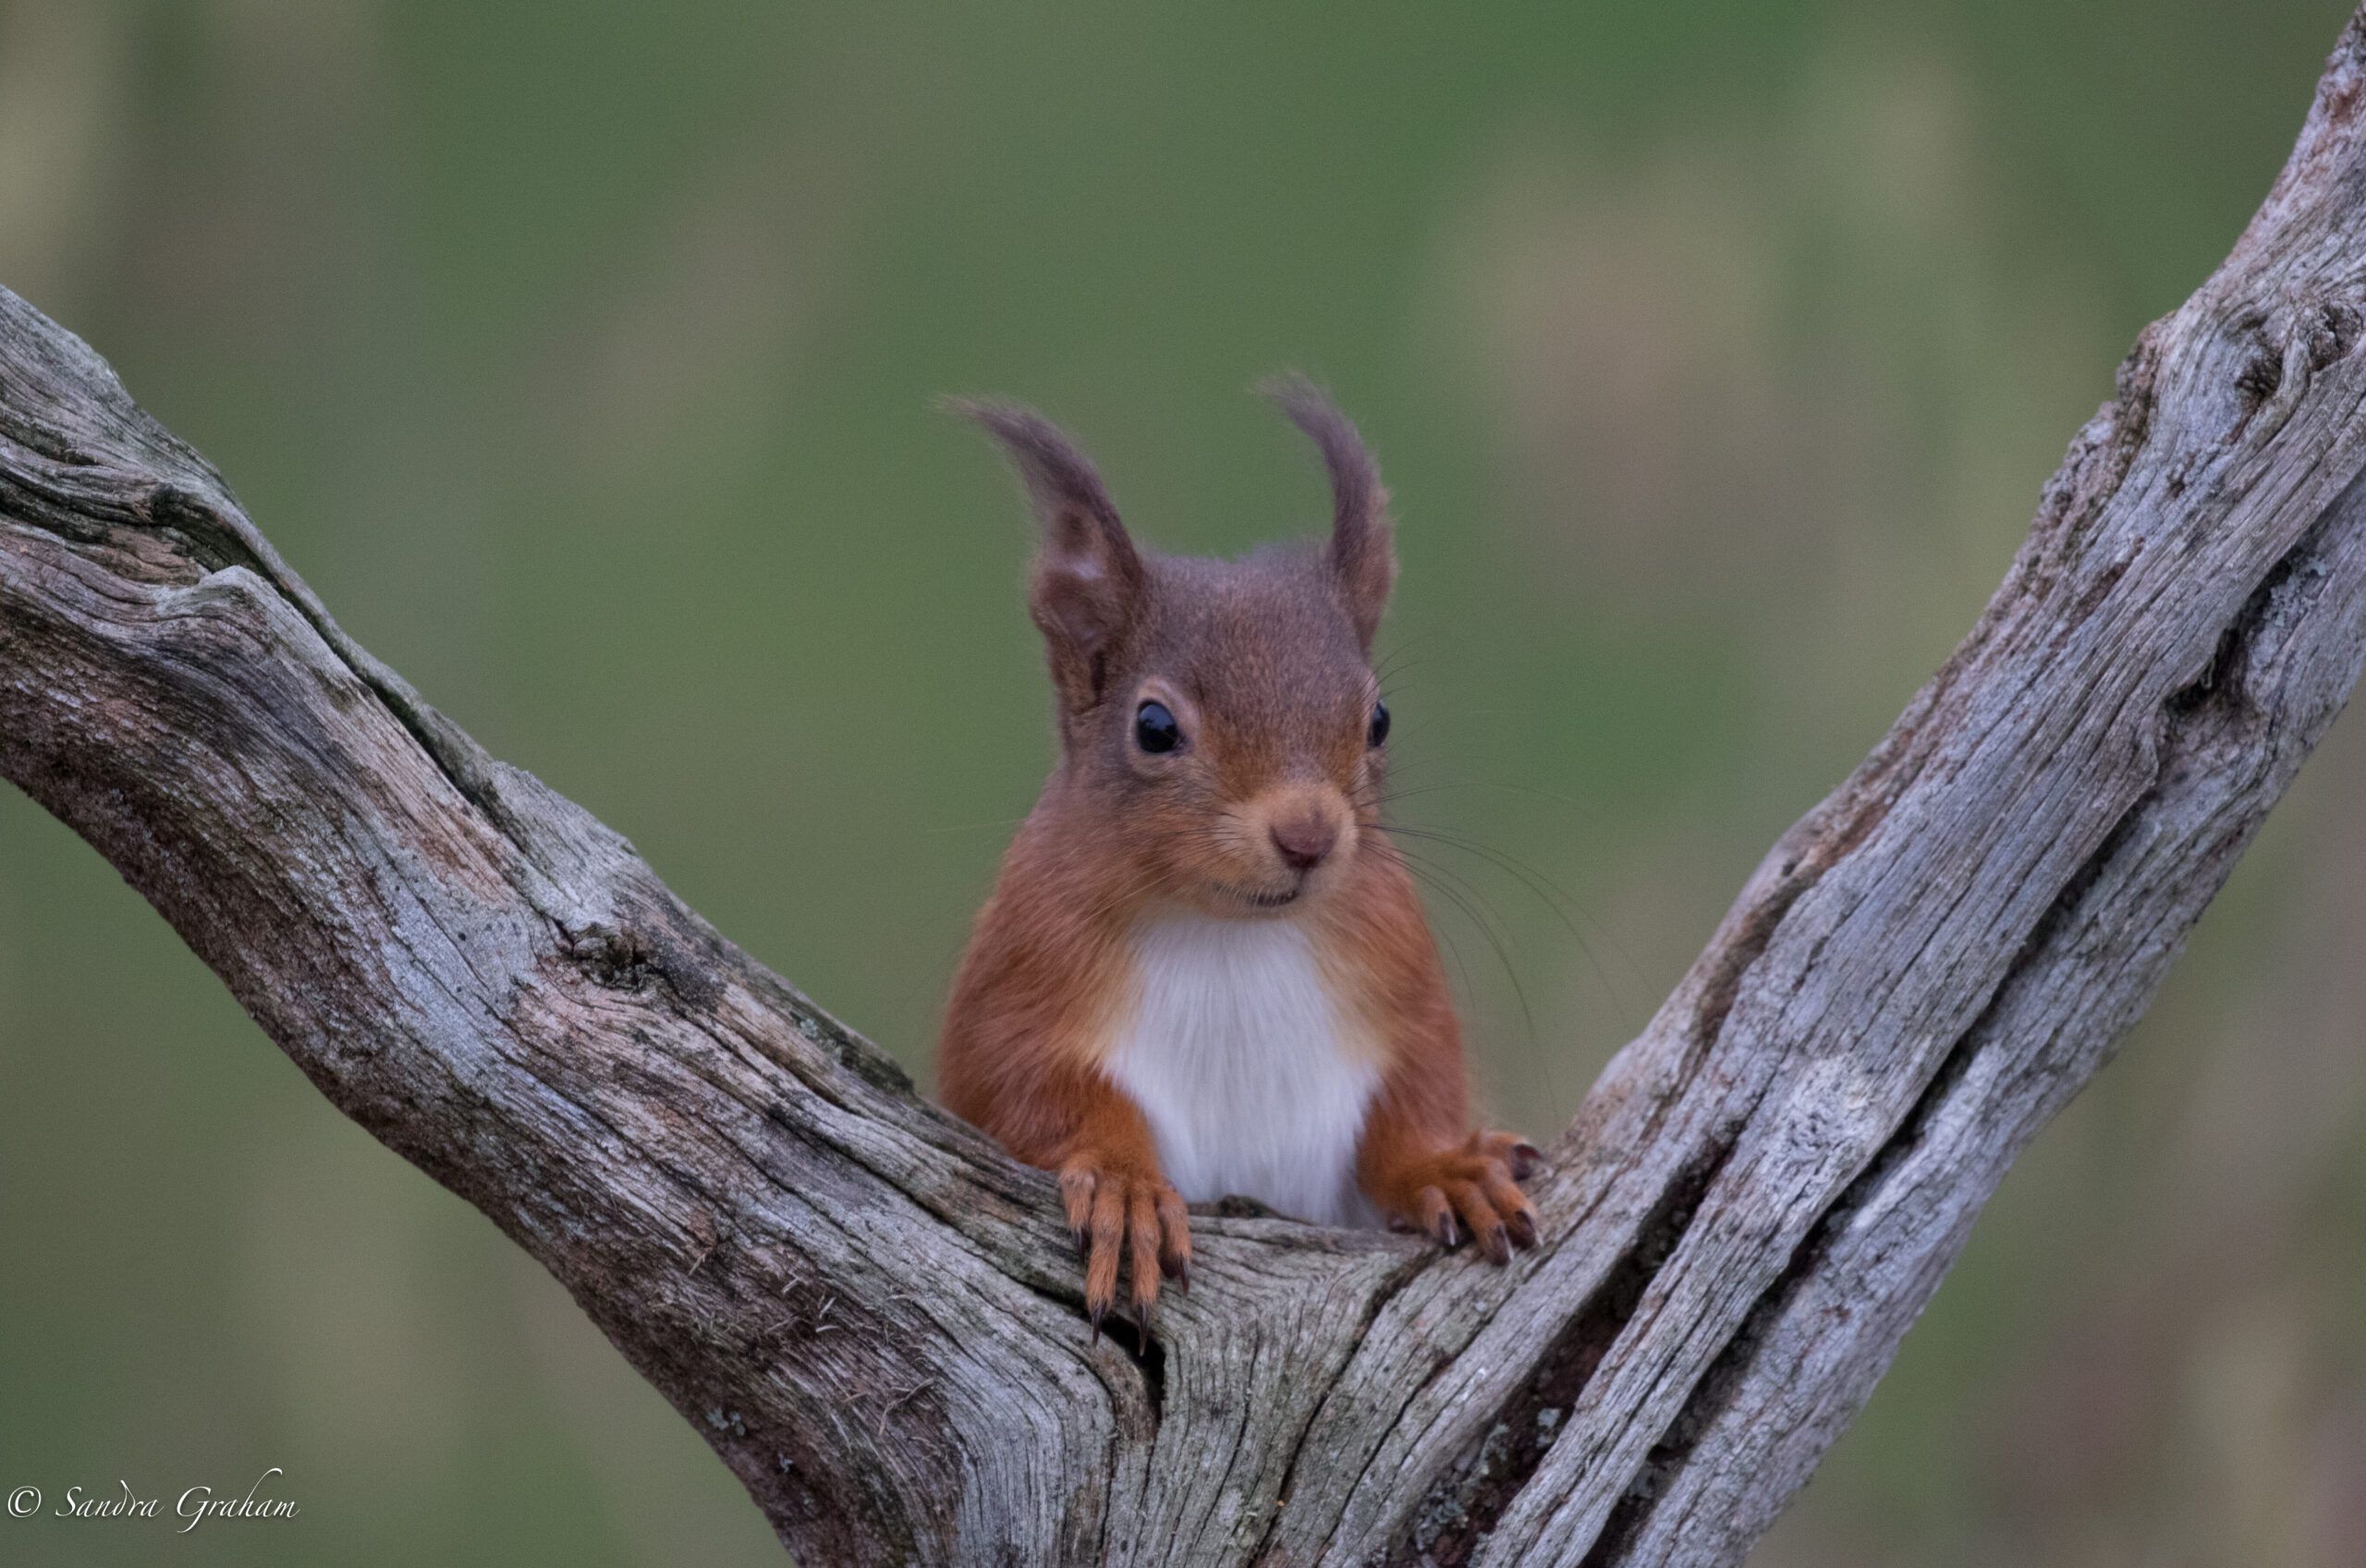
1473 1193
1129 1221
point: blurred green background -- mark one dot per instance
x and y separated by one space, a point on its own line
580 356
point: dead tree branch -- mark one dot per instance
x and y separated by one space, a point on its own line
873 1317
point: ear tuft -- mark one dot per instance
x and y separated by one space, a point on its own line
1090 590
1362 550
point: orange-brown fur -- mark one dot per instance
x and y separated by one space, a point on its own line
1273 795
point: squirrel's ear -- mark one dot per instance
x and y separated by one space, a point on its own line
1362 551
1088 591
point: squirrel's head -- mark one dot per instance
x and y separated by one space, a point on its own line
1219 718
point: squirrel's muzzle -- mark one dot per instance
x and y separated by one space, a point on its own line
1305 838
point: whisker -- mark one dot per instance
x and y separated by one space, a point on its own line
975 827
1563 906
1467 898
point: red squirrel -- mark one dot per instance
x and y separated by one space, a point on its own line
1204 970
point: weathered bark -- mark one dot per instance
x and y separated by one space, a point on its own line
873 1317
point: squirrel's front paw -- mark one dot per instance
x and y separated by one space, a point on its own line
1119 1211
1477 1185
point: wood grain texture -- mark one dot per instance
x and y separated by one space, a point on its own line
875 1318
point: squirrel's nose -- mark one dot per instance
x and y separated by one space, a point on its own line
1303 840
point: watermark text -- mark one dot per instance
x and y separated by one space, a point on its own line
183 1511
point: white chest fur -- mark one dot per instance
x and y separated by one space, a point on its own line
1252 1080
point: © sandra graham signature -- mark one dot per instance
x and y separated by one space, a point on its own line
193 1507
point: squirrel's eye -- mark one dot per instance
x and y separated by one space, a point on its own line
1379 724
1155 729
